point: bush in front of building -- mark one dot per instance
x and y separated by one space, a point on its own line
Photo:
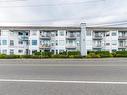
43 54
59 56
26 56
13 56
99 54
93 55
104 54
2 56
74 54
120 54
70 54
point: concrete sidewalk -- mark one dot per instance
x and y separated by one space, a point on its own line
65 61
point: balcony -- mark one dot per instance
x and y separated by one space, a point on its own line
70 47
122 38
45 37
24 38
122 46
97 46
71 37
97 38
45 46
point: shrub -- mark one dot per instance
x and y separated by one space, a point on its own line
99 54
2 56
73 53
91 52
104 54
121 54
43 54
37 53
75 56
63 53
113 54
12 56
93 55
59 56
25 56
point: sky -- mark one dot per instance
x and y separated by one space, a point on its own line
62 12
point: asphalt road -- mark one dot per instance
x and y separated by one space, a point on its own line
63 77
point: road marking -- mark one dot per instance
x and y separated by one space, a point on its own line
58 81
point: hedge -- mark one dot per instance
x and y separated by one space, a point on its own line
70 54
43 54
120 54
99 54
93 55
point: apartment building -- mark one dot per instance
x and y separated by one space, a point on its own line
29 39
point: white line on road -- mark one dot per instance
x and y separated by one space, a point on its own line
58 81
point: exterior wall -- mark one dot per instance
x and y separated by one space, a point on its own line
83 40
61 41
34 35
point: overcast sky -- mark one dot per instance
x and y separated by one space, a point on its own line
62 12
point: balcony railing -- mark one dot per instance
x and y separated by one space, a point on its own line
122 46
45 36
24 38
97 38
122 37
97 46
45 46
70 46
71 37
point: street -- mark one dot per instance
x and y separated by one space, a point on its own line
63 77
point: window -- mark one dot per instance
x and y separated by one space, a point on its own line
0 32
56 33
4 42
34 33
56 42
11 51
20 33
52 34
113 33
52 43
11 42
88 33
4 51
114 50
70 42
20 42
11 33
27 42
114 42
61 42
108 34
61 33
27 33
78 42
4 32
78 34
107 44
34 42
20 51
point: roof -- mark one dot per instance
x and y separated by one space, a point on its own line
61 27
